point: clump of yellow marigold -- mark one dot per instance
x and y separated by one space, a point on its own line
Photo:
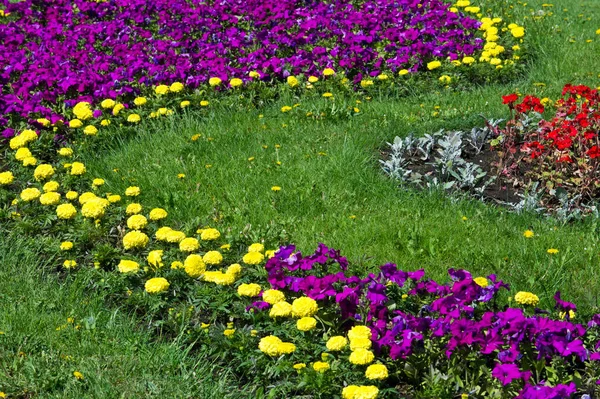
156 285
77 169
128 266
94 208
135 239
219 277
273 296
236 82
361 356
360 343
234 269
176 87
113 198
66 211
336 343
139 101
481 281
157 214
6 178
194 266
376 372
250 290
299 366
137 222
528 234
306 323
253 258
70 264
72 195
214 81
51 198
133 209
189 244
90 130
132 191
526 298
210 234
43 172
229 332
270 345
82 110
155 258
256 247
50 186
359 332
162 232
360 392
304 307
175 236
23 153
108 103
23 139
281 309
30 194
161 89
85 197
66 245
321 367
286 348
134 118
213 258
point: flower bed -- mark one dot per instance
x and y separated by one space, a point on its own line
115 49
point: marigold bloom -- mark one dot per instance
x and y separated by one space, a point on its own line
50 198
253 258
134 118
433 65
77 169
43 172
361 356
304 307
189 244
157 214
94 208
526 298
90 130
214 81
270 345
132 191
66 245
321 367
376 372
108 103
281 309
6 178
78 375
250 290
137 222
481 281
359 332
128 266
236 82
161 89
194 266
306 323
70 264
528 234
273 296
213 258
155 258
210 234
135 239
256 247
156 285
30 194
292 81
552 251
176 87
133 209
336 343
66 211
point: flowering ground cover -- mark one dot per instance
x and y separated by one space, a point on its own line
234 180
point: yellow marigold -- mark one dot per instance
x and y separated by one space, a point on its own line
292 81
134 118
75 123
209 234
30 194
376 372
229 332
137 222
175 236
108 103
360 343
433 65
189 244
361 356
70 264
185 104
321 367
270 345
82 110
161 89
304 307
85 197
360 392
48 187
156 285
139 101
270 253
135 239
97 182
65 152
78 375
327 95
273 296
234 269
66 211
214 81
445 79
155 258
306 323
43 171
77 169
204 103
468 60
250 290
281 309
254 74
176 265
552 251
90 130
518 32
104 122
286 108
313 79
481 281
194 266
162 233
299 366
157 214
286 348
256 247
51 198
526 298
336 343
133 209
132 191
253 258
72 195
128 266
225 247
22 153
94 208
235 82
6 178
29 161
366 83
219 277
176 87
213 258
43 121
359 332
113 198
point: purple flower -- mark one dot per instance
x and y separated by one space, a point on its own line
506 373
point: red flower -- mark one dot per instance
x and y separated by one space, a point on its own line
563 143
509 99
594 152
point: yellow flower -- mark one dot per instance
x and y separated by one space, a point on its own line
306 323
526 298
128 266
204 103
133 209
155 258
304 307
403 72
113 198
66 211
23 153
210 234
66 245
189 244
108 103
528 234
361 356
43 172
161 89
214 81
234 269
468 60
85 197
225 247
65 152
299 366
256 247
212 258
139 101
176 87
104 122
313 79
382 76
194 266
481 281
270 253
366 83
132 191
29 161
328 72
75 123
552 251
229 332
362 343
184 104
94 208
90 130
281 309
118 108
82 110
135 239
445 79
286 108
292 81
157 214
30 194
72 195
50 198
359 332
321 367
270 345
250 290
275 188
137 222
376 372
156 285
286 348
254 74
43 121
518 32
78 375
6 178
360 392
327 95
235 82
433 65
70 264
77 169
176 265
134 118
336 343
253 258
273 296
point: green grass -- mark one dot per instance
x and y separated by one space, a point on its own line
329 172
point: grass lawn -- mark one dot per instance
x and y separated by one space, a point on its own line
332 191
